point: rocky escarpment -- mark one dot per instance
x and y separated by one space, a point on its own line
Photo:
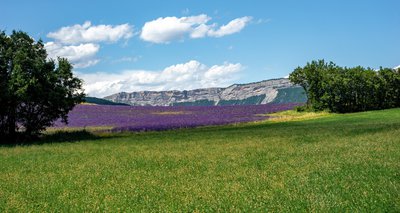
275 90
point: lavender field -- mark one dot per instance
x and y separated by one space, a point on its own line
151 118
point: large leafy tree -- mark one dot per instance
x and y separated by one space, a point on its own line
313 78
34 91
339 89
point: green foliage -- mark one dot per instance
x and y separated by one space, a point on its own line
100 101
337 163
301 108
339 89
33 91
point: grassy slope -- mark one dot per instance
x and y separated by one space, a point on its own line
101 101
339 162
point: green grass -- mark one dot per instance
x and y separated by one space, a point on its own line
293 115
336 163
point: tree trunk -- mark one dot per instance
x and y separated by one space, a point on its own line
11 123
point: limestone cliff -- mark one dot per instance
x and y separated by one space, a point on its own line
275 90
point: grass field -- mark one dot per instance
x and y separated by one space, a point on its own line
347 162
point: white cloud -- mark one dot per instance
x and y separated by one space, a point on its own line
80 55
218 71
200 31
262 21
167 29
232 27
185 11
79 43
87 33
190 75
127 59
164 30
87 63
398 67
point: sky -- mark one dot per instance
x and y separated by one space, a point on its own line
131 46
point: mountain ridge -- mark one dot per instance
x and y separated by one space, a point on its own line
279 90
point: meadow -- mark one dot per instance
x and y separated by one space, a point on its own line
293 162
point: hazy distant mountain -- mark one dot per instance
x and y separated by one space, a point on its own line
268 91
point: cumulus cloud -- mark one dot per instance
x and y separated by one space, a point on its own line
80 43
87 33
80 55
398 67
185 76
167 29
232 27
164 30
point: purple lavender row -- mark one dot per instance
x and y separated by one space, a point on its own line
148 118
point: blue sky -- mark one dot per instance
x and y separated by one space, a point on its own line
159 45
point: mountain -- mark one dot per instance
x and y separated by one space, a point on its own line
268 91
100 101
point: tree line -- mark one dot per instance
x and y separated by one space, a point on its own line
34 91
347 89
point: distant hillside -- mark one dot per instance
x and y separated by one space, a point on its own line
100 101
268 91
290 95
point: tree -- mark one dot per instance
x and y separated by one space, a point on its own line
34 91
390 81
339 89
314 79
